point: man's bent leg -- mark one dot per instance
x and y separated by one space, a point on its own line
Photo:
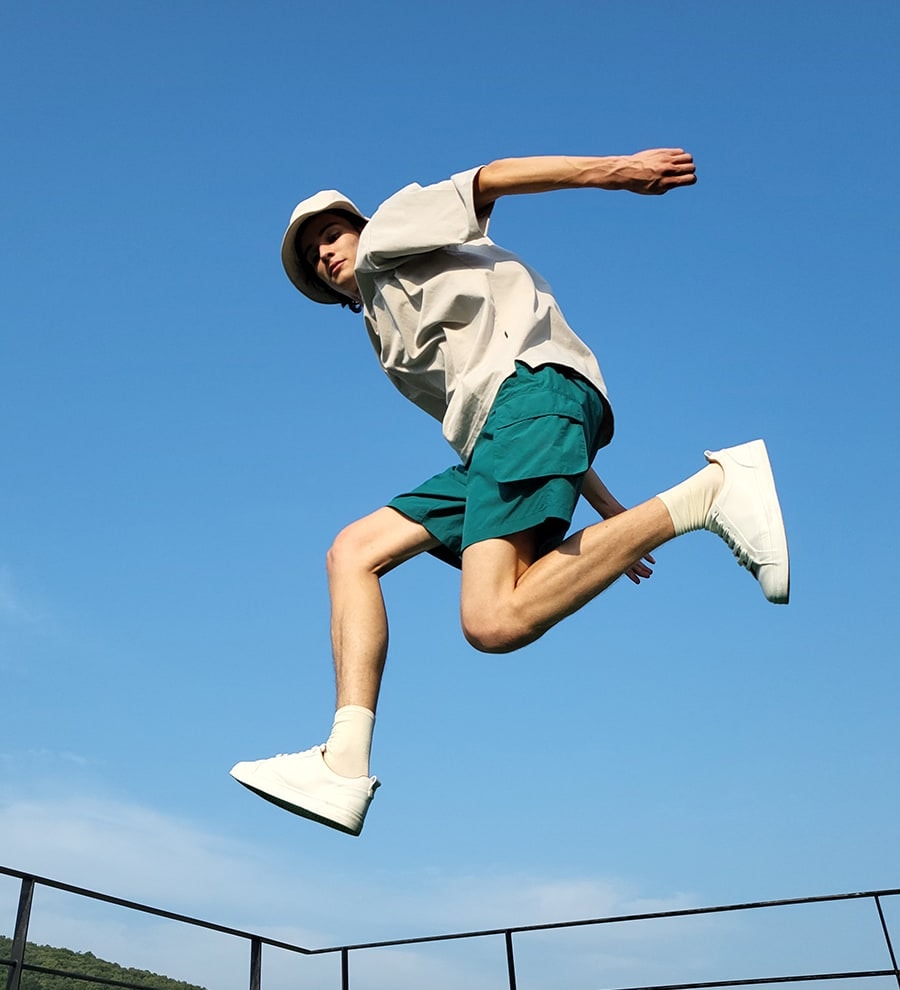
304 783
509 599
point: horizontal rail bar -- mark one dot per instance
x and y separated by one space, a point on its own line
766 980
614 919
157 912
102 980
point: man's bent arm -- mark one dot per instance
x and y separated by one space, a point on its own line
599 497
651 173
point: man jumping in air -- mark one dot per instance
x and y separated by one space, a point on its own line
469 333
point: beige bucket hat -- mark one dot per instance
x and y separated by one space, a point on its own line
309 285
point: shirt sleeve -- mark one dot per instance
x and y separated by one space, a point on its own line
419 219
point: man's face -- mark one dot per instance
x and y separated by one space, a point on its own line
329 243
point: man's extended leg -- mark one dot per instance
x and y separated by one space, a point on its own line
360 556
331 783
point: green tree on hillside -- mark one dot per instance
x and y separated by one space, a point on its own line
82 963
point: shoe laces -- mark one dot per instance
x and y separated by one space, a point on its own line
303 752
742 555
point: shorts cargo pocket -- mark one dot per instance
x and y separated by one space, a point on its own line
545 446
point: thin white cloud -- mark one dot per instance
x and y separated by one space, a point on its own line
526 900
132 851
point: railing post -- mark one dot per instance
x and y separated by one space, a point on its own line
887 938
255 963
23 915
345 969
510 961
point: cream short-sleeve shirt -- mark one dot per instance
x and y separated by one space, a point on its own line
449 312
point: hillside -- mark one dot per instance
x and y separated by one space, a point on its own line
84 963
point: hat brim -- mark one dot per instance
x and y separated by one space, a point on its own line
297 272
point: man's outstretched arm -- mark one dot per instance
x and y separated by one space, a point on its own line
650 173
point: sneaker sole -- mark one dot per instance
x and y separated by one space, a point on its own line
781 591
295 809
316 810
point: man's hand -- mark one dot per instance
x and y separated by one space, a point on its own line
656 171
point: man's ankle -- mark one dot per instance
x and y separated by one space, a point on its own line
350 743
689 503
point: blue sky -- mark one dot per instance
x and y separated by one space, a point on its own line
181 436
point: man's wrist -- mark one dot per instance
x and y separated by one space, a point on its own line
612 172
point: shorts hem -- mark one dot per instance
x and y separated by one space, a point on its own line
551 530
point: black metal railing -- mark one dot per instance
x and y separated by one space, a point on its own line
17 964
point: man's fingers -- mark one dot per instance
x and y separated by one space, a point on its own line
684 170
681 164
675 181
639 570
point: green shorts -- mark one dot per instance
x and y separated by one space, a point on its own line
526 469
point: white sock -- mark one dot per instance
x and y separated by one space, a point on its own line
689 503
348 747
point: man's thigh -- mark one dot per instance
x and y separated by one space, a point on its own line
492 568
439 505
380 541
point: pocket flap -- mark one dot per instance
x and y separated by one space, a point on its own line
544 446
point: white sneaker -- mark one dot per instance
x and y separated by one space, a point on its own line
747 516
304 784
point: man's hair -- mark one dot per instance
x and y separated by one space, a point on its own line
355 221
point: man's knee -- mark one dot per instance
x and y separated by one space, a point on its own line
348 549
494 630
376 544
490 612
